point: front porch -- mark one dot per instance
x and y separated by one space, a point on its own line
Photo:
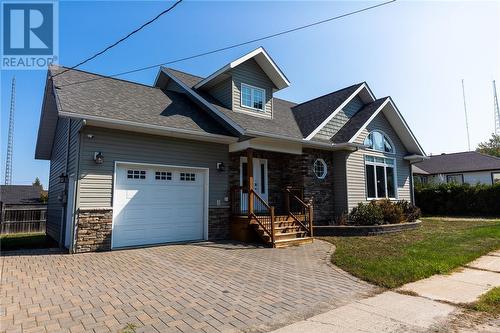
267 199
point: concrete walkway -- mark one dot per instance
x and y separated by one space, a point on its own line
437 302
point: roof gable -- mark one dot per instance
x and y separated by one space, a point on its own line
315 114
263 60
355 126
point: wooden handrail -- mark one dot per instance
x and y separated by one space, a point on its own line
262 201
308 210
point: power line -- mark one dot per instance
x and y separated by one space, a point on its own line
234 45
121 39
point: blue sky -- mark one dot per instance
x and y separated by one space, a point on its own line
416 52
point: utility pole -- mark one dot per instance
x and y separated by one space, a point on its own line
466 120
10 140
496 109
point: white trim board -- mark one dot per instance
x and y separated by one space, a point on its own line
337 110
280 80
399 117
205 187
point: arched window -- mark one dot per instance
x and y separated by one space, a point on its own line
379 141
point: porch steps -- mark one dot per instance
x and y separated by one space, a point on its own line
287 232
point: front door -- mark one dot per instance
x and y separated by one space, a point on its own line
260 182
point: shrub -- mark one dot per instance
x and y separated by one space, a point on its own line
410 211
366 214
392 212
459 199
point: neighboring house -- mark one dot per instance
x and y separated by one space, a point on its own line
193 158
461 168
22 209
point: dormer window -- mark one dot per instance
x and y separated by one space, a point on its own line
252 97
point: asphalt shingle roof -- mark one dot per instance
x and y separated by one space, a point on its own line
129 101
459 162
283 122
311 114
20 194
359 119
124 100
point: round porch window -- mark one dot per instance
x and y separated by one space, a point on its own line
319 168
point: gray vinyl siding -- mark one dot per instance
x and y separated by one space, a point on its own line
222 92
340 119
356 166
250 73
339 183
96 181
61 162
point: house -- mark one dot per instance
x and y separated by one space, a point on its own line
214 157
22 209
467 167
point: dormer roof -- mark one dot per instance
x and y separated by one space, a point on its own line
263 60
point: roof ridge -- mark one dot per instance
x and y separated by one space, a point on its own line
183 72
100 75
330 93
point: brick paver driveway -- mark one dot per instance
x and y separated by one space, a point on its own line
191 287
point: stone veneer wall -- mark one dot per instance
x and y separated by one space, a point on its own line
294 170
93 230
319 190
218 223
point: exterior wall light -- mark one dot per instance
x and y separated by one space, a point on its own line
98 157
221 166
63 178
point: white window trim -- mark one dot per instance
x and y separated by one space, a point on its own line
325 166
388 139
251 97
385 165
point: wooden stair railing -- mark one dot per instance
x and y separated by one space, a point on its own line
305 209
241 205
266 221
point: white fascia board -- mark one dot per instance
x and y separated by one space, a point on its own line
148 128
369 120
416 158
337 110
400 118
285 83
421 150
193 93
308 143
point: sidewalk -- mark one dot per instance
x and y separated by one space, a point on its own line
399 312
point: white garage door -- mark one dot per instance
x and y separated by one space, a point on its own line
157 205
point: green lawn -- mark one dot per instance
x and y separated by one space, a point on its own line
25 241
438 246
489 302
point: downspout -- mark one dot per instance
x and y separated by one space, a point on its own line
74 226
65 191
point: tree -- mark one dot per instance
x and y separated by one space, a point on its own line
490 147
37 182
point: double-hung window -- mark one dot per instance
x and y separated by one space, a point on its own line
380 177
253 97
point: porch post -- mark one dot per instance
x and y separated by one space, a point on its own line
250 180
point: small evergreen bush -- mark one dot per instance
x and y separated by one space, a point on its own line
366 214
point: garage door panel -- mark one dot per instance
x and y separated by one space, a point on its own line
152 211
